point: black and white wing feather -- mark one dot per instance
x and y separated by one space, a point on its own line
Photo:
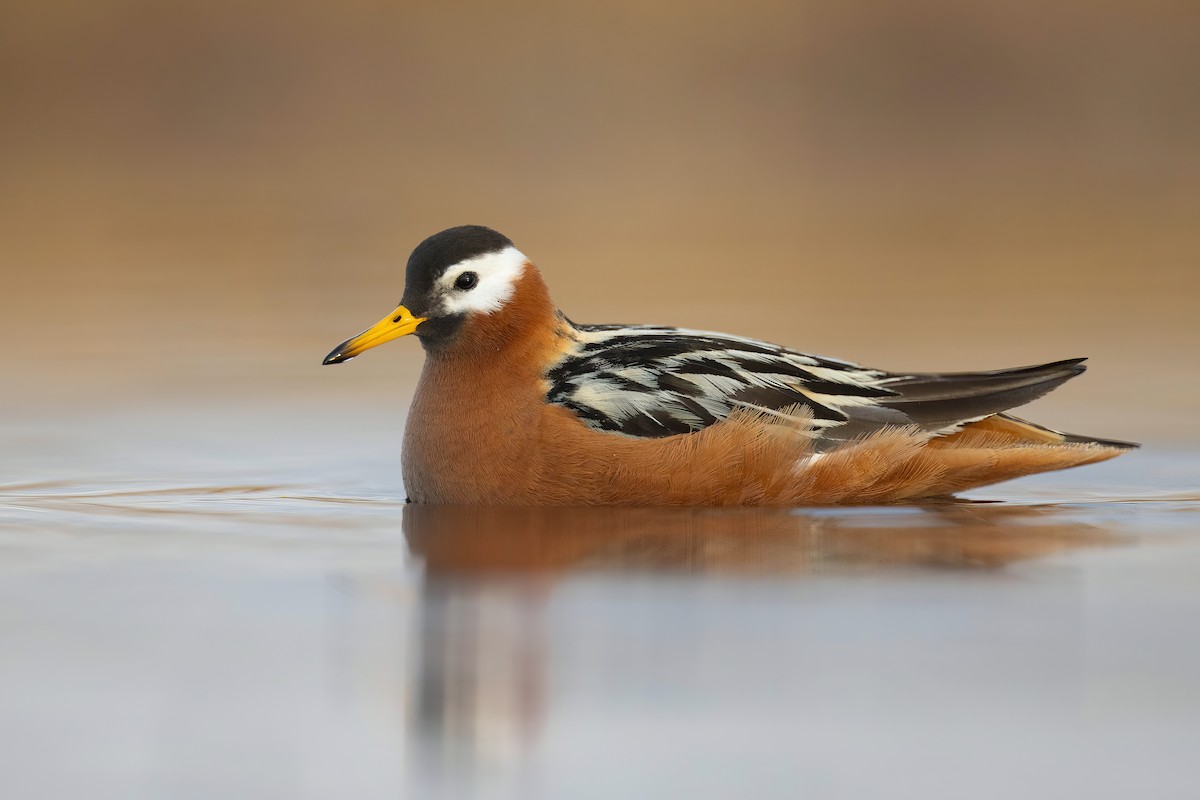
651 381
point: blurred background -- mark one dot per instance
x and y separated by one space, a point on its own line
200 199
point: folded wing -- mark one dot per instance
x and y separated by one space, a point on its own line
649 381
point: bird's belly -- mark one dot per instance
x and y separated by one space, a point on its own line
551 458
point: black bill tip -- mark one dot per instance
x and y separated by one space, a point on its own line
337 356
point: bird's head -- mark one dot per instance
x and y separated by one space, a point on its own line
454 278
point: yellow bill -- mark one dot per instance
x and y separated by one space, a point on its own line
399 323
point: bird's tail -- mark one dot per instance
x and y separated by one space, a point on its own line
1019 431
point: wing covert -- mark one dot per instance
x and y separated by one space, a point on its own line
650 381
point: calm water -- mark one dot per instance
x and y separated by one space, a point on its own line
243 606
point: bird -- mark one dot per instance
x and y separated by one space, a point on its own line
519 405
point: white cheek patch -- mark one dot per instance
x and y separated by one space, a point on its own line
498 274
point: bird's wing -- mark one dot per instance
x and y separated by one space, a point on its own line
650 381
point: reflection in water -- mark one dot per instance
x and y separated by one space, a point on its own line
460 539
481 677
480 680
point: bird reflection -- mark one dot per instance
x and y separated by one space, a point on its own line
481 673
468 540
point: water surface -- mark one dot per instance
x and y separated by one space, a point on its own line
177 622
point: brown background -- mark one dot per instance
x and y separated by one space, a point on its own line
200 199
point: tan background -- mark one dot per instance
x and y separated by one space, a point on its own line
200 199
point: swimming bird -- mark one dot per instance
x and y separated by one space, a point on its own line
519 405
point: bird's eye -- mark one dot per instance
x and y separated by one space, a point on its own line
466 281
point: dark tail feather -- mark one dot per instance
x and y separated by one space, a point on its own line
947 398
1066 438
1071 438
